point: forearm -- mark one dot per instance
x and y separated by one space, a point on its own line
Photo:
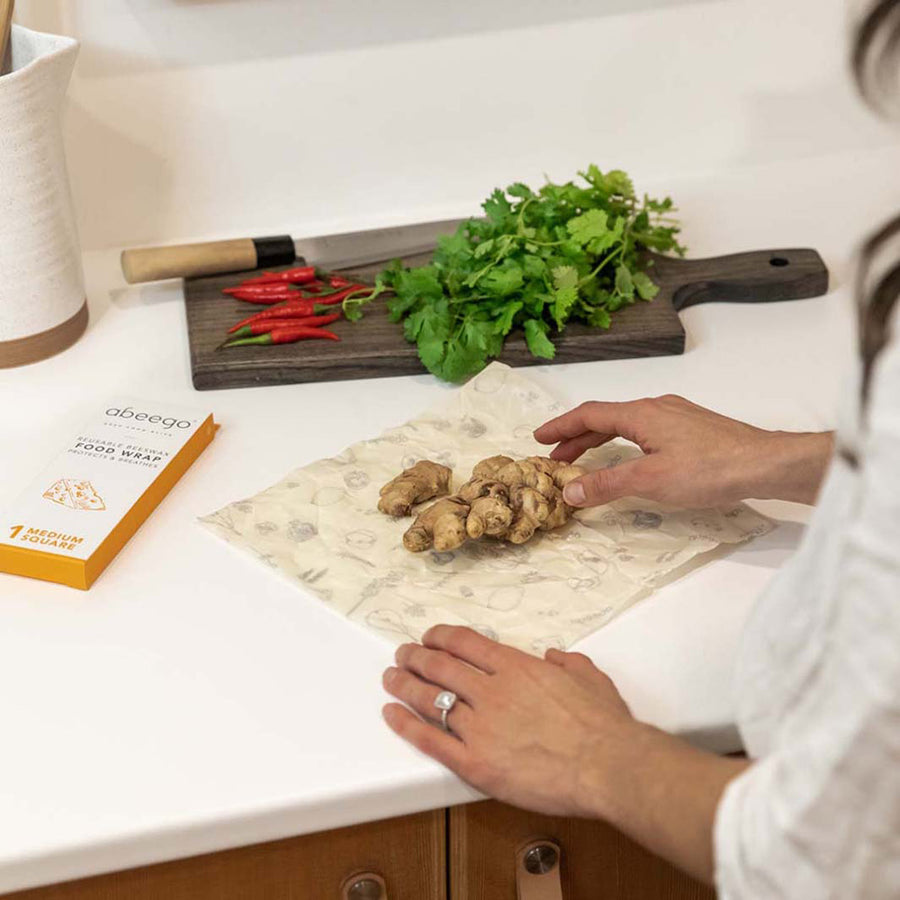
789 466
663 793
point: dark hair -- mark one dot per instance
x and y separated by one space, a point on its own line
876 67
876 55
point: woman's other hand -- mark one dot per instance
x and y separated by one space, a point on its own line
546 734
553 735
693 457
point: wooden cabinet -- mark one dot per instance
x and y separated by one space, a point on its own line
409 852
596 861
465 853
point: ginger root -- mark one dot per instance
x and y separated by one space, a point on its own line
488 468
490 512
442 526
505 499
423 481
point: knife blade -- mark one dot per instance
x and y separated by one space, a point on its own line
334 251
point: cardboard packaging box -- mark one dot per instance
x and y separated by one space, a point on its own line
84 507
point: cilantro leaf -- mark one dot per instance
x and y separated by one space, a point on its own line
565 277
503 280
565 280
497 208
599 317
520 190
619 183
504 323
624 281
536 338
477 333
646 289
460 361
412 286
483 248
588 226
563 301
453 250
415 321
433 333
534 268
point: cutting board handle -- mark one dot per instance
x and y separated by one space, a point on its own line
761 276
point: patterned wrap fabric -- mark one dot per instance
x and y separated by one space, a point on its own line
319 527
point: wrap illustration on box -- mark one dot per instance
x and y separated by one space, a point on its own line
75 494
321 528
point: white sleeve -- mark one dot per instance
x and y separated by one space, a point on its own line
819 817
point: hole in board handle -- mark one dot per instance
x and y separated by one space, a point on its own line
779 261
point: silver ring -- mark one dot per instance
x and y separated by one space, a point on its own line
445 701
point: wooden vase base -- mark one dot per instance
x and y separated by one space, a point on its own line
47 343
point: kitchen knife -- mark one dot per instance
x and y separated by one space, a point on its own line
335 251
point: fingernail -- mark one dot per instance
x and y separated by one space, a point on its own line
390 674
573 493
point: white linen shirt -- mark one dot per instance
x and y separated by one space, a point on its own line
817 816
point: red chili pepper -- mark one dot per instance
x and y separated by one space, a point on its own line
252 329
301 275
261 326
338 281
338 296
261 289
280 287
266 297
284 335
319 293
293 309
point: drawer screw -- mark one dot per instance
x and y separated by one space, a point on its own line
364 889
541 859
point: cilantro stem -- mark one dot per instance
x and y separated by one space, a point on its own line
546 243
472 297
520 222
592 275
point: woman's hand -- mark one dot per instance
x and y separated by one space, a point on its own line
553 735
543 734
693 456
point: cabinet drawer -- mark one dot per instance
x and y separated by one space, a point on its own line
407 852
597 862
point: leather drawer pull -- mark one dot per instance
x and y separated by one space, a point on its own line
537 871
364 886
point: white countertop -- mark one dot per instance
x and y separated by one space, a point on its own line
193 701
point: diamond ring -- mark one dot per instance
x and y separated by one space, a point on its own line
445 701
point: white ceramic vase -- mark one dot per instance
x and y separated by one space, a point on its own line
42 301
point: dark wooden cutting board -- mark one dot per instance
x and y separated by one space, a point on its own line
374 347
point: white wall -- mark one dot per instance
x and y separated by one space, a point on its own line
201 118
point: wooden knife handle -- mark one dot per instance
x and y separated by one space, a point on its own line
761 276
218 257
7 8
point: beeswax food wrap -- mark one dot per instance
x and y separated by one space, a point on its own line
320 527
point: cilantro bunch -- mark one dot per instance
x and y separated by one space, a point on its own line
535 261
